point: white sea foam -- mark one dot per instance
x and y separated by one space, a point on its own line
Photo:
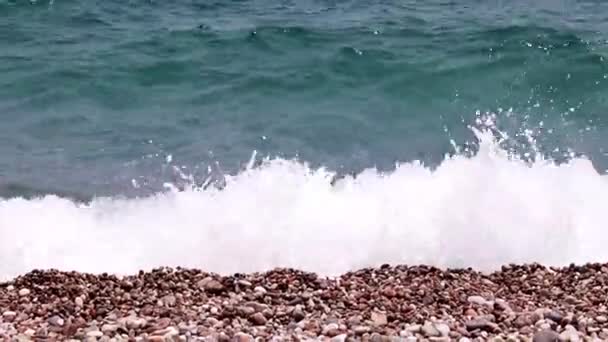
480 211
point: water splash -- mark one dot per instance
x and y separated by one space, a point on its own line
481 208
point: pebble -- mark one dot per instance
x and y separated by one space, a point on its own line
133 322
242 337
503 305
545 336
339 338
354 307
569 335
258 319
379 318
414 328
479 300
429 330
298 313
244 283
9 316
554 316
94 333
79 302
56 321
482 324
168 300
260 290
211 285
331 329
443 329
526 319
360 330
109 328
24 292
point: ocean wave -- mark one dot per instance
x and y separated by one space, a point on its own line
481 209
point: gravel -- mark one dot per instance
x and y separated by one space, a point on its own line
517 303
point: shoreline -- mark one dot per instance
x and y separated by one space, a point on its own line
388 303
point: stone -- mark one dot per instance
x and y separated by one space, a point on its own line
526 319
360 330
379 318
376 337
161 325
429 330
211 285
42 332
298 313
414 328
257 307
554 316
331 329
260 290
443 329
170 332
24 292
481 324
245 311
155 338
470 312
56 321
211 321
79 302
242 337
503 305
569 335
479 300
545 336
258 319
601 319
109 328
169 300
10 288
9 316
94 333
244 283
133 322
339 338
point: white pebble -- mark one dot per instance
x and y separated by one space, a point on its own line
94 333
79 302
24 292
260 290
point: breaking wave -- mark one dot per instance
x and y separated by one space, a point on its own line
481 209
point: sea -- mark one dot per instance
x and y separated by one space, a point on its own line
324 135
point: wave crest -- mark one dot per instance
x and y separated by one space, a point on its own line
481 210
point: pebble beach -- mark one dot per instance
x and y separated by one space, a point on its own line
389 303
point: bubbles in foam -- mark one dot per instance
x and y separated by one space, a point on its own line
482 210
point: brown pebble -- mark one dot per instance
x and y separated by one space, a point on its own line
545 336
258 318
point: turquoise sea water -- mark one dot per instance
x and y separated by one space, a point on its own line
94 94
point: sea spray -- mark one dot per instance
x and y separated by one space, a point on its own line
480 210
